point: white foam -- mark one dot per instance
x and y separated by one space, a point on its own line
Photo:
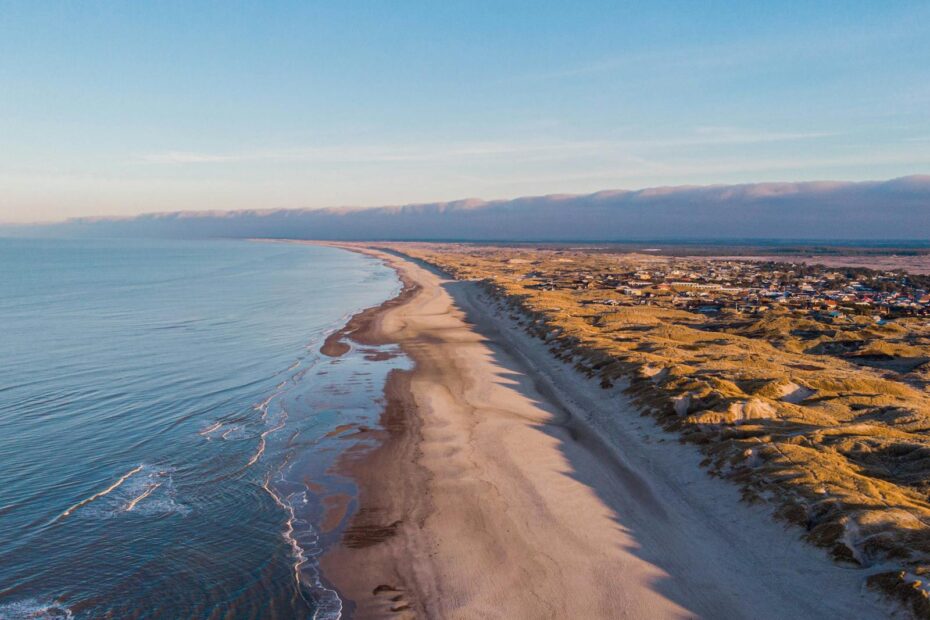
259 452
31 609
103 493
261 438
207 432
330 608
236 431
263 406
148 491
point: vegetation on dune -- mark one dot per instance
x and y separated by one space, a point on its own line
825 420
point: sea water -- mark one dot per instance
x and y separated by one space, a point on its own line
169 430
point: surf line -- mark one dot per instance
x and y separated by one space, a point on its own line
261 441
95 496
210 429
288 534
263 406
151 488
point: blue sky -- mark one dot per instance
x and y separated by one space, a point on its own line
127 107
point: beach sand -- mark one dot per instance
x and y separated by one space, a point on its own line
506 485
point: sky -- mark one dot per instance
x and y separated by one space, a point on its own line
119 108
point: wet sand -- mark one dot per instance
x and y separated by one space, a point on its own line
505 486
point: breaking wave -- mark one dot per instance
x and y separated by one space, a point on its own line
325 601
143 490
119 482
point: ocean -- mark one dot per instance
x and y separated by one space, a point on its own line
169 430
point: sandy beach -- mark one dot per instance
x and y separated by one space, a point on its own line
506 485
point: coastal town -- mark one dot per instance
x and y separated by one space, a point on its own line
743 287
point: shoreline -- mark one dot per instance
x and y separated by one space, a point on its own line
498 489
381 509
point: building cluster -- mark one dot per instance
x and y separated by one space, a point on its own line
712 286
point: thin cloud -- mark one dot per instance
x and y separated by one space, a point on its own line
896 27
704 58
186 157
487 150
711 135
378 154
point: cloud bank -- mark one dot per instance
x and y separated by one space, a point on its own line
898 209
